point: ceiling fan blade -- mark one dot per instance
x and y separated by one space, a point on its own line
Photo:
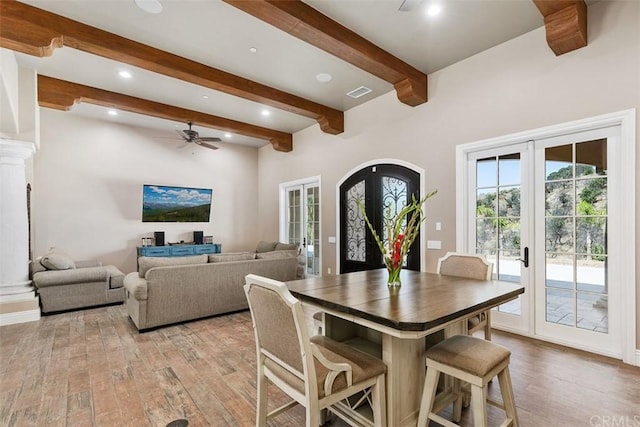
183 135
204 144
408 5
209 139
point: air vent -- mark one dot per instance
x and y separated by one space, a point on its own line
357 93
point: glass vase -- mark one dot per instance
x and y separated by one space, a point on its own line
393 277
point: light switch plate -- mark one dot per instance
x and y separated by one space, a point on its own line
332 239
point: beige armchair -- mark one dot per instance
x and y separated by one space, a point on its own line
64 284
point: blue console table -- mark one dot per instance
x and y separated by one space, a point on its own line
179 250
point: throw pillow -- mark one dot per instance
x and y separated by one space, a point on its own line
286 246
57 261
232 256
265 246
145 263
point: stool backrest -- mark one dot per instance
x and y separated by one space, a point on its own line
471 266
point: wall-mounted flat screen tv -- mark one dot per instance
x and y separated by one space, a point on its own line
175 204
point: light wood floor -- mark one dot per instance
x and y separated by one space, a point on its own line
92 368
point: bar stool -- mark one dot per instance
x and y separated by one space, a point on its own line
475 361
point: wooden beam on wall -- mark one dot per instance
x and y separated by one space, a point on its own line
61 95
36 32
306 23
565 23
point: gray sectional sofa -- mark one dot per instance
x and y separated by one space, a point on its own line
171 290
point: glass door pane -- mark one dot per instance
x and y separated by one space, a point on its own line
498 218
576 293
312 229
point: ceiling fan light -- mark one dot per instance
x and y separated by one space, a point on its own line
434 10
149 6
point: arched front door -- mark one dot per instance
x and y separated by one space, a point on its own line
378 186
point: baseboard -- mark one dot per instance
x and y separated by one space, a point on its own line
19 317
637 357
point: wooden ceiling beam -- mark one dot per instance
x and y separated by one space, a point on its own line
62 95
306 23
36 32
565 23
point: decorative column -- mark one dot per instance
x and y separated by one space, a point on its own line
18 301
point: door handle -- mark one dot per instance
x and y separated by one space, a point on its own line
525 261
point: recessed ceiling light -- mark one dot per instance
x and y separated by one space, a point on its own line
149 6
125 74
324 77
434 10
112 112
265 112
205 96
227 135
253 49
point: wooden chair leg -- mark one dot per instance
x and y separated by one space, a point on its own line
428 396
479 405
506 389
487 326
457 404
261 406
378 398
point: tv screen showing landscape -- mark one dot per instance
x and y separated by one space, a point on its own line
175 204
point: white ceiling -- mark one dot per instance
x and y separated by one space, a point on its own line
218 35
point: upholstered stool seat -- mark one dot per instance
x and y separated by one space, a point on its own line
476 362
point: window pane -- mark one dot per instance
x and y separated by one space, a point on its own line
591 196
560 307
509 201
486 203
486 172
558 162
509 234
593 312
559 271
486 234
591 274
559 234
559 198
591 158
355 239
591 236
509 169
394 199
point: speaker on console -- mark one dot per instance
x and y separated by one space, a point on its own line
159 238
198 237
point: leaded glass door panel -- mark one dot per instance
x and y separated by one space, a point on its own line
380 187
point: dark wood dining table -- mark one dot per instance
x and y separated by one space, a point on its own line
395 324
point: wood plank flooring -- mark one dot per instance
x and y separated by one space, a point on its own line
92 368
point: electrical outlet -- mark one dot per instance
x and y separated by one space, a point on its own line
328 270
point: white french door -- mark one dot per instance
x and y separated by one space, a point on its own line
500 223
556 214
300 220
578 291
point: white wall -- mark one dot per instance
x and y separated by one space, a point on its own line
516 86
87 189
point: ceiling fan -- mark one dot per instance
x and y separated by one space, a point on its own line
190 135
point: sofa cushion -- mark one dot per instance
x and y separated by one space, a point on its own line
232 256
57 261
265 246
286 246
277 254
145 263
